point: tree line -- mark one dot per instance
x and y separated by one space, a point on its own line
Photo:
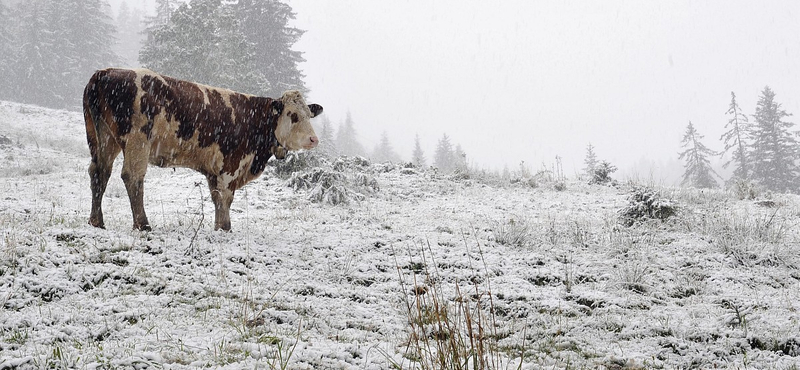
764 151
344 140
50 48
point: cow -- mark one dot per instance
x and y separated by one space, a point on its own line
155 119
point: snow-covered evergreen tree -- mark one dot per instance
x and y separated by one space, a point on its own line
459 159
130 35
59 45
774 147
590 161
384 152
244 45
265 24
37 65
697 169
443 158
735 140
327 141
6 53
418 156
347 138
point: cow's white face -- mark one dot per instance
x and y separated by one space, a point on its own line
294 130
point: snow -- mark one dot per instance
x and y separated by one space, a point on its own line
311 285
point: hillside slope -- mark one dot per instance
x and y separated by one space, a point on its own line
555 278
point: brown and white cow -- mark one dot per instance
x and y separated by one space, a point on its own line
155 119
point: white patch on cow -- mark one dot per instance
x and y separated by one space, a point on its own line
227 178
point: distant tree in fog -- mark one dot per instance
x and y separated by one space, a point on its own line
418 156
774 147
130 35
443 157
735 140
384 152
347 138
327 143
6 49
697 168
58 45
590 161
459 159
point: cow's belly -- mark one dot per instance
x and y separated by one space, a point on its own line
185 153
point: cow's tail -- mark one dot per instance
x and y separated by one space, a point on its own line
91 113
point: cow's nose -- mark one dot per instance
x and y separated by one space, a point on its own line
314 141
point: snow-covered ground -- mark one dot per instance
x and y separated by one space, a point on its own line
309 285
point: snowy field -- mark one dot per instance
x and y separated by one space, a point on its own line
555 279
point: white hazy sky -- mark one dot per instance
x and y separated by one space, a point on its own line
529 80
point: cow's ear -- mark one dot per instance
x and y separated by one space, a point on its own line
276 107
316 110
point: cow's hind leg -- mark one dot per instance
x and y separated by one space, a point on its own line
222 199
104 149
133 170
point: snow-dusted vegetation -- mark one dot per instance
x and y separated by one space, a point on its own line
349 264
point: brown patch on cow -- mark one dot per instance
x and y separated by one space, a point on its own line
295 118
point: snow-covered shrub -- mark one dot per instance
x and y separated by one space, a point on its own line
744 189
348 180
646 203
602 174
295 162
513 233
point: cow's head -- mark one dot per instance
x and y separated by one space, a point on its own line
294 129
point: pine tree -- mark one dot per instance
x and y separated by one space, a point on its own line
459 159
347 138
89 36
443 158
735 139
418 156
384 152
698 172
37 64
590 161
6 53
61 43
131 30
265 24
244 45
774 148
327 143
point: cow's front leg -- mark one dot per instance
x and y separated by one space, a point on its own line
133 170
222 205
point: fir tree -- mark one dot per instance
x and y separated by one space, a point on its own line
418 156
347 139
698 172
459 159
6 53
37 64
735 139
384 152
265 24
130 31
61 43
327 143
443 158
774 148
590 161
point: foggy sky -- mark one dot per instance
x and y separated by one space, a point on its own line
529 80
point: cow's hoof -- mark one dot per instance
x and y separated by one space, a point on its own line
98 224
144 227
